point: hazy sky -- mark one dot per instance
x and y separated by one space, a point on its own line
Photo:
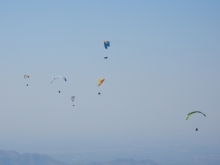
164 62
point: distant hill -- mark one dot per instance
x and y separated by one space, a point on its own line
14 158
122 162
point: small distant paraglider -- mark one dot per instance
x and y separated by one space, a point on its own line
72 99
191 113
64 78
100 81
106 45
26 76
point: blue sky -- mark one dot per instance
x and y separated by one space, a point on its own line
163 63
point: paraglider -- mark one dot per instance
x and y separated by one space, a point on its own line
191 113
26 76
72 98
64 78
106 45
100 81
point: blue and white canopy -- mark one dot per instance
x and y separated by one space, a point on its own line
59 77
106 44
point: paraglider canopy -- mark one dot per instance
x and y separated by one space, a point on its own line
191 113
106 44
64 78
72 98
100 81
26 76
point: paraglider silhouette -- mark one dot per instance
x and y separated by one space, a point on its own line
106 45
64 78
192 113
72 99
100 81
26 76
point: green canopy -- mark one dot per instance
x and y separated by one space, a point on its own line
191 113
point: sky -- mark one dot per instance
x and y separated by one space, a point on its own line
163 62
